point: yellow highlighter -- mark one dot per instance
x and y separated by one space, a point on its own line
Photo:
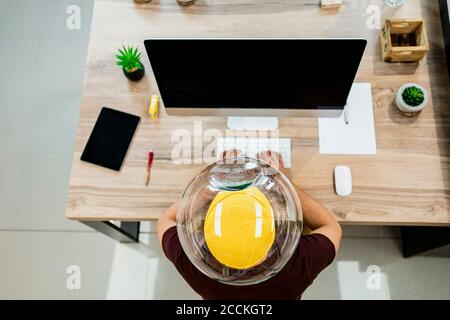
153 108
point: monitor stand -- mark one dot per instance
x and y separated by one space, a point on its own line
252 123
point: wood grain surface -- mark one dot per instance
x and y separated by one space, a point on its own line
406 183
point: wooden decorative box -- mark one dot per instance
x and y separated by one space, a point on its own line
404 40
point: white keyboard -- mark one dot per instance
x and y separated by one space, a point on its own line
252 146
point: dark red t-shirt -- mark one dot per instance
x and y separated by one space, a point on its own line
314 253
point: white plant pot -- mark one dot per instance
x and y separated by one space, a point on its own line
406 108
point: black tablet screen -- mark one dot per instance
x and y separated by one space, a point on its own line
110 138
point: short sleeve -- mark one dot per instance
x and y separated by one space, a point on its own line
318 252
174 251
171 245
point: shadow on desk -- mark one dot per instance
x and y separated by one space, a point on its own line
440 90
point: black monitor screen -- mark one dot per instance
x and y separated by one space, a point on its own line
255 73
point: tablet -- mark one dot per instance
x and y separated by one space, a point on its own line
110 138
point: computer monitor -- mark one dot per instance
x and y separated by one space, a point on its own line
255 77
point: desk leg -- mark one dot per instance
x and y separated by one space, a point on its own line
416 240
127 232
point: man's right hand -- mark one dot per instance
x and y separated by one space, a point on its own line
274 159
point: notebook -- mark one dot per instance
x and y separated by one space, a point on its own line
356 137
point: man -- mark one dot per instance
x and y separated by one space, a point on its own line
314 253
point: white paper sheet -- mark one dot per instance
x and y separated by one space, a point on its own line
356 137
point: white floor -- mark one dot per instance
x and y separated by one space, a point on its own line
42 65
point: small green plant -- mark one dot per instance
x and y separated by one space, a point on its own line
413 96
129 59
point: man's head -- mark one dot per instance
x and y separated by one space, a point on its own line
239 228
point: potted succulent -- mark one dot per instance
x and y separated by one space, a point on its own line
411 98
130 61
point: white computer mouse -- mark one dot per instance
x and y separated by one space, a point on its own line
343 180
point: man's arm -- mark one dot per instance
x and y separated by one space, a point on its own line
167 220
316 217
319 219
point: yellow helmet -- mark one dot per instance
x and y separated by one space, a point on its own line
239 228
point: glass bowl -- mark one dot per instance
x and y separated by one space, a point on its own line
240 174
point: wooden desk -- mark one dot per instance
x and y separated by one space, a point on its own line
406 183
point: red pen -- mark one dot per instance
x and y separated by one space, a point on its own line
149 165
